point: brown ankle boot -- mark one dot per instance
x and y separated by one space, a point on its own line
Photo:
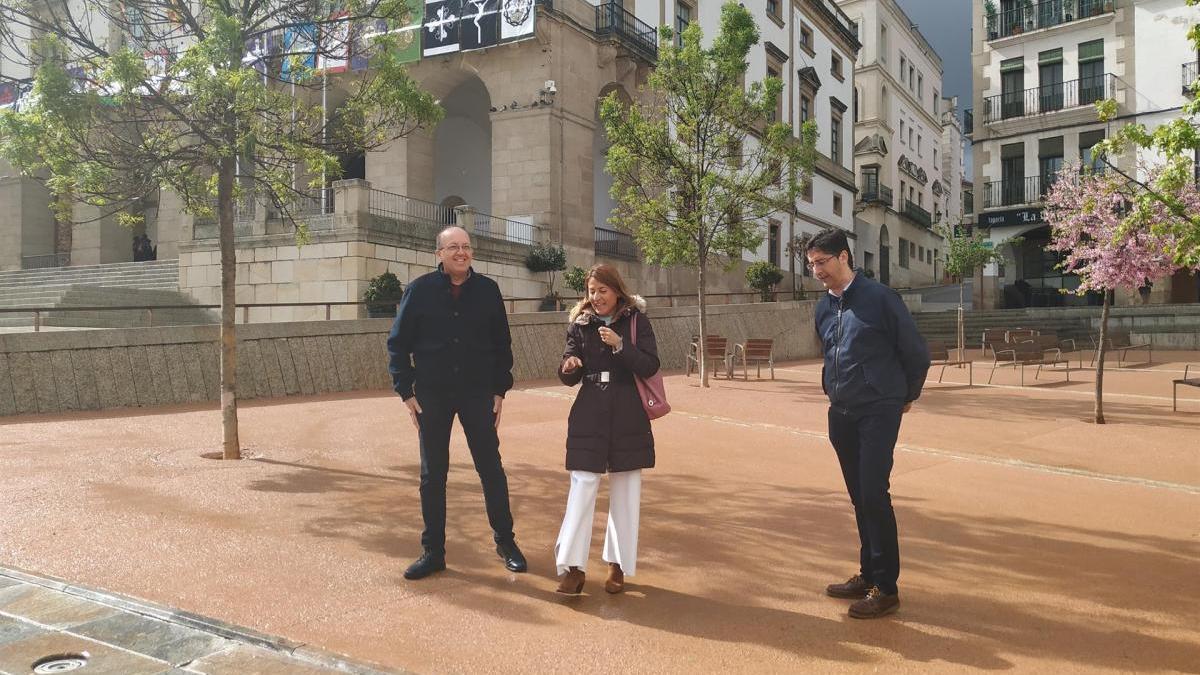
572 582
616 579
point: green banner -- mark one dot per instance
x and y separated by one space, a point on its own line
408 35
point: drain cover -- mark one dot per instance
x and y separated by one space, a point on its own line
60 663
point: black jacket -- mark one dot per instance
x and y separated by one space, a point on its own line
874 354
448 347
608 429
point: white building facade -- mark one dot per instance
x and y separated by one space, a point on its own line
1039 69
900 144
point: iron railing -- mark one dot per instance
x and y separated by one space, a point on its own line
1049 98
317 202
401 207
495 227
917 214
1017 192
876 193
405 209
637 35
615 244
1034 16
1190 72
968 122
38 262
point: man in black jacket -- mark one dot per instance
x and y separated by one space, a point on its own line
450 353
875 366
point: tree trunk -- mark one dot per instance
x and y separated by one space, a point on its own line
703 355
1100 354
231 448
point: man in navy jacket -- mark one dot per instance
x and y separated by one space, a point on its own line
875 366
450 353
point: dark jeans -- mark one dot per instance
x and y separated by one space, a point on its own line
478 423
865 443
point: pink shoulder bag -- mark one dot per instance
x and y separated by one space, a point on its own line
651 390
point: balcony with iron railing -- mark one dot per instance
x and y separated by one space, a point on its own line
1190 72
609 19
917 214
876 193
614 244
1046 14
1049 98
1018 192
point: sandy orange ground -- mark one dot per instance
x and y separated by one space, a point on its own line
1030 538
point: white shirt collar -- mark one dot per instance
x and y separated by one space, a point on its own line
843 292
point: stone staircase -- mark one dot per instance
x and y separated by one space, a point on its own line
108 285
1166 326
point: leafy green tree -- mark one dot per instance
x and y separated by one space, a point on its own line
967 251
212 117
1176 144
576 279
700 164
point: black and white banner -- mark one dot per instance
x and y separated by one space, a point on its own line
441 31
516 19
480 25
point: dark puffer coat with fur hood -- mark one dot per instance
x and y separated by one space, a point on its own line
608 429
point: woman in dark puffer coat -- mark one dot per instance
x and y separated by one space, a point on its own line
608 430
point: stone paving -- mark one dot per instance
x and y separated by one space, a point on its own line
1031 539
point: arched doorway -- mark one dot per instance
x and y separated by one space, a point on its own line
885 257
462 147
602 182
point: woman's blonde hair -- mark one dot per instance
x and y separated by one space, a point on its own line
609 276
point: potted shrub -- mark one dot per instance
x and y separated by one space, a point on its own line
382 295
762 277
989 10
574 279
1027 12
547 258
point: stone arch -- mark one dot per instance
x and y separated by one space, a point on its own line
462 144
602 201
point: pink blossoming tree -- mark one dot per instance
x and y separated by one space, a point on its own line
1088 216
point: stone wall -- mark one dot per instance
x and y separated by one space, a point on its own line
148 367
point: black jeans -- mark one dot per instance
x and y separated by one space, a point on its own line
478 423
865 443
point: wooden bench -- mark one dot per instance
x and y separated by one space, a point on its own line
1023 354
1120 342
757 351
939 355
1185 381
1050 342
715 351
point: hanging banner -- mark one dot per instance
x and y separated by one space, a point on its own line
299 50
516 19
441 34
404 29
480 25
335 43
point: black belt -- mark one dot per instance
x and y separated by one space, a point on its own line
614 377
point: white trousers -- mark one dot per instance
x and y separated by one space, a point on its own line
624 510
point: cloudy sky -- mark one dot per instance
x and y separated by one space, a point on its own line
946 24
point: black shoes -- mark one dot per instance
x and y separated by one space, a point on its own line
514 560
427 564
875 605
855 588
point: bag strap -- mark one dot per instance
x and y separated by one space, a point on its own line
633 328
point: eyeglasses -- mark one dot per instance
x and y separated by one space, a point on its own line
455 248
819 262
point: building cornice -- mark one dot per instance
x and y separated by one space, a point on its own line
830 26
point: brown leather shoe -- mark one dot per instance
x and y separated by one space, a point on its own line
855 588
616 579
572 582
875 605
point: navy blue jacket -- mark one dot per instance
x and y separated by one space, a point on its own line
874 355
447 347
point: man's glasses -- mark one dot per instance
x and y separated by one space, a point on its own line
456 248
819 262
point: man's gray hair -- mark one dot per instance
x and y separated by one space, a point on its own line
438 241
